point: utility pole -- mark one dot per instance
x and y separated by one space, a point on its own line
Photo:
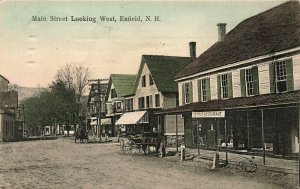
99 93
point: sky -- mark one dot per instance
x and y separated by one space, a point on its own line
33 51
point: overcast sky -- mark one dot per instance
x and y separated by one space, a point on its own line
32 51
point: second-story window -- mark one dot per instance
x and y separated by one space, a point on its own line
141 102
147 101
224 86
113 93
128 104
187 93
203 90
249 79
144 81
150 80
281 76
118 106
157 100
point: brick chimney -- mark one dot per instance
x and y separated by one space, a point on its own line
221 31
193 49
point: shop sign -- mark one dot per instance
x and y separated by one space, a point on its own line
210 114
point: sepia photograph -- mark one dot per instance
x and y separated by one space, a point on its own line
149 94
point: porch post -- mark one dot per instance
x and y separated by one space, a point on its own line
299 146
226 153
263 136
248 131
198 146
176 134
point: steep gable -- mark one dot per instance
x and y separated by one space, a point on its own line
271 31
163 69
123 84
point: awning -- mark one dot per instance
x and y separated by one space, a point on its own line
129 118
106 121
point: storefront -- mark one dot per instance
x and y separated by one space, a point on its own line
266 123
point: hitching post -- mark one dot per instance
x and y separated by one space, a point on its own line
263 136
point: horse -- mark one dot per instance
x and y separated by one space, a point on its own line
151 142
81 135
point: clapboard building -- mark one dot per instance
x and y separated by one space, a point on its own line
244 90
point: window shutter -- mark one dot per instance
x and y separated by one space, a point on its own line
183 93
289 72
191 92
199 90
208 88
219 86
272 77
243 82
229 77
255 80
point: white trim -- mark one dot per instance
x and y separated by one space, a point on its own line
237 64
171 134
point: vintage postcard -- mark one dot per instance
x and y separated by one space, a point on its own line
150 94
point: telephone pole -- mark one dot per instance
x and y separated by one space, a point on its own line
99 92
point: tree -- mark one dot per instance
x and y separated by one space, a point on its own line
75 77
51 108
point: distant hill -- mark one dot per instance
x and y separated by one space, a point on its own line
27 92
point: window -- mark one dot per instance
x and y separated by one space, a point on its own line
150 80
113 93
141 102
187 93
118 105
129 104
224 86
144 81
147 101
203 90
281 76
157 100
249 80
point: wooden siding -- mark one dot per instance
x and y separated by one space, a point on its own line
213 87
169 100
195 90
3 85
264 80
236 83
180 93
146 91
296 71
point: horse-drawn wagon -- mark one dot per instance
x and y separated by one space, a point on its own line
147 143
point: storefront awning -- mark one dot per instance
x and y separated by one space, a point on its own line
259 101
106 121
129 118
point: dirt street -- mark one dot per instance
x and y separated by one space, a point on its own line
63 164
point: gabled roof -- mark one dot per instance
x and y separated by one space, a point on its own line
123 83
274 30
4 78
163 70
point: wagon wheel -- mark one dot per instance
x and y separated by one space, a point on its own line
251 167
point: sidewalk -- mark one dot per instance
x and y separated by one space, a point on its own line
272 164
